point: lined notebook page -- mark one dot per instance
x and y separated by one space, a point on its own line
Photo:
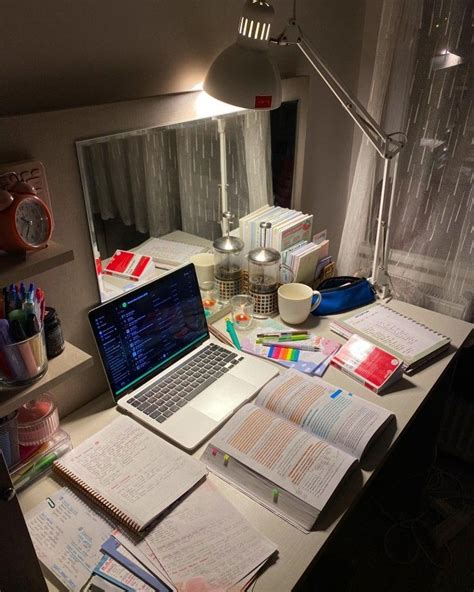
130 469
396 331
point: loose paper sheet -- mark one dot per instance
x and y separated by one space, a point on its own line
67 536
206 537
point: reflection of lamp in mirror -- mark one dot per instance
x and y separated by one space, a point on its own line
244 75
228 261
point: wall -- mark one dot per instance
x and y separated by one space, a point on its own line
63 53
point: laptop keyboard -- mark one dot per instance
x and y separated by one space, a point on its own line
184 383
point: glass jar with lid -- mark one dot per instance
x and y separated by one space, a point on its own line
264 265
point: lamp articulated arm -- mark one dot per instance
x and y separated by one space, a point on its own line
384 143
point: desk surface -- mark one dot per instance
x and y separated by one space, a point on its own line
296 549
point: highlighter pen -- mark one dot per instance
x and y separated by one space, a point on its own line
229 325
39 467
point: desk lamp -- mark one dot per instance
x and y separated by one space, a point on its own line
245 75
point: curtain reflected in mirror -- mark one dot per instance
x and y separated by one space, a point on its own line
175 181
156 181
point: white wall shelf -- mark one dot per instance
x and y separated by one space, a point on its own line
15 268
70 362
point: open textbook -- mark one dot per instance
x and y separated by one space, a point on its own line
293 446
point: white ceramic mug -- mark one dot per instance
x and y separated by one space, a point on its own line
204 264
295 302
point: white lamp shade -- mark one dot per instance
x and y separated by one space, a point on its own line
244 77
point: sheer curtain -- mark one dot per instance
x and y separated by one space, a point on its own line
163 180
429 96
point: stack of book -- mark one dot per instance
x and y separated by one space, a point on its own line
291 235
288 227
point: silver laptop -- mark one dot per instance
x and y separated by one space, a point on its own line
162 365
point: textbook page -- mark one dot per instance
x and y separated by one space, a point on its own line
330 413
67 536
284 454
205 539
132 468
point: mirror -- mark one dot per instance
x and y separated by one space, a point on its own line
173 182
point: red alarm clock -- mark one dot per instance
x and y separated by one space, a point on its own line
26 223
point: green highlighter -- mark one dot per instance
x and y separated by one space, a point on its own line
229 325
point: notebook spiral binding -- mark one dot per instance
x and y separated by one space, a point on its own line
417 323
94 496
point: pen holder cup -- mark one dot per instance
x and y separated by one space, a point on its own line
24 362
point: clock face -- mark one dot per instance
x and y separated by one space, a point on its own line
32 222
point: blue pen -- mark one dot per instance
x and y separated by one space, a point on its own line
229 325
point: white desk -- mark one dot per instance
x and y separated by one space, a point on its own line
296 549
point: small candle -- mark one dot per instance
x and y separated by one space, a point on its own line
241 317
208 302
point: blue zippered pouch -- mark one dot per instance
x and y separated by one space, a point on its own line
342 293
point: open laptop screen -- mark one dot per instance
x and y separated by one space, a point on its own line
142 332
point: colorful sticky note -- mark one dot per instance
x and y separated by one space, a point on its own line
287 354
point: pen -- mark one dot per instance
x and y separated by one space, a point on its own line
229 325
284 338
291 344
282 333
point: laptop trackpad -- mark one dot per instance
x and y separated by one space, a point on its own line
224 396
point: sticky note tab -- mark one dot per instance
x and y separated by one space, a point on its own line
214 451
275 494
226 459
336 394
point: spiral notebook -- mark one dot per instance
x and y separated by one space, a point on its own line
412 342
130 472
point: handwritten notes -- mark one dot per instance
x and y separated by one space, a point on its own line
206 537
67 536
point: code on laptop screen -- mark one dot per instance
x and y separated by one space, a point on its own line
142 332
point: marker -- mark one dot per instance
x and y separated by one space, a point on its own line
226 459
275 494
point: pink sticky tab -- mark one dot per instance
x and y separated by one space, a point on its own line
214 451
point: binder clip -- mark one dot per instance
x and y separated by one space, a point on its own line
226 459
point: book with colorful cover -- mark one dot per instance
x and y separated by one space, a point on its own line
129 265
367 363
